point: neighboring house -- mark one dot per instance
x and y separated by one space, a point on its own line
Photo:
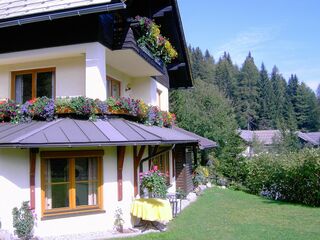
311 139
259 141
75 173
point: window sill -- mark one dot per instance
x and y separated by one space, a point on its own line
71 213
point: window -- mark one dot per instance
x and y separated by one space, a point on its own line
29 84
71 182
115 87
162 161
159 98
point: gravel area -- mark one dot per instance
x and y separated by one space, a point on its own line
99 235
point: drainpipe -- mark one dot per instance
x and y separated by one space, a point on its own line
32 162
70 13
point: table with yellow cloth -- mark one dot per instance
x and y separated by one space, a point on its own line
152 209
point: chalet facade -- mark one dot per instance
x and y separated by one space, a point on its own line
259 141
74 172
310 139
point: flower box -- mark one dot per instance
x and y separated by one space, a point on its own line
156 59
117 111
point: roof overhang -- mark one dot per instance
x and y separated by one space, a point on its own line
58 14
67 133
180 69
204 143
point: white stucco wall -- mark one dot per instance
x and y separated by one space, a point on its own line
70 75
80 70
14 188
101 221
164 97
95 71
14 182
144 88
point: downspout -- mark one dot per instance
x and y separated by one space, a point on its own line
32 175
71 13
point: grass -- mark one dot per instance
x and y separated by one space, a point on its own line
226 214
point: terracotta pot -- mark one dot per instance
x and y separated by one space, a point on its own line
120 229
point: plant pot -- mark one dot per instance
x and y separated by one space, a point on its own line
63 110
120 229
156 59
118 111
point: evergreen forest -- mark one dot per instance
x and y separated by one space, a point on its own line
258 99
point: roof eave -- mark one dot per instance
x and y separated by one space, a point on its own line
50 16
93 144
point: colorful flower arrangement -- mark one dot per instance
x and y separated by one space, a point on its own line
47 109
155 182
152 39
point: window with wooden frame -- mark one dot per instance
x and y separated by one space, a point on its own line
71 182
29 84
159 92
163 164
114 86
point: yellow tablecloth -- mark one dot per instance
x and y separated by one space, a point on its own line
152 209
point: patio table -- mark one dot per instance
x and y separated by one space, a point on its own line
152 210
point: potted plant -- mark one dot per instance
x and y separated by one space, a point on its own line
118 221
151 38
155 182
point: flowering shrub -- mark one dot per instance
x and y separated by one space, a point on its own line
156 43
42 108
8 110
155 182
201 175
292 177
23 221
153 116
101 107
82 106
159 118
47 109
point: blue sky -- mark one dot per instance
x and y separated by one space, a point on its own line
277 32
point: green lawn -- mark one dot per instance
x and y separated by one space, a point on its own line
225 214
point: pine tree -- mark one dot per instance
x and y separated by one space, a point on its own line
318 94
265 99
260 101
247 94
292 91
279 85
308 114
197 60
302 107
209 67
225 76
290 120
202 65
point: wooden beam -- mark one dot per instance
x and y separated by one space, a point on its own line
177 66
137 156
173 162
162 12
120 160
32 162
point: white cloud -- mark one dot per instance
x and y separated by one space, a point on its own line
267 45
254 40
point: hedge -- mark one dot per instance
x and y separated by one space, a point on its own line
292 177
